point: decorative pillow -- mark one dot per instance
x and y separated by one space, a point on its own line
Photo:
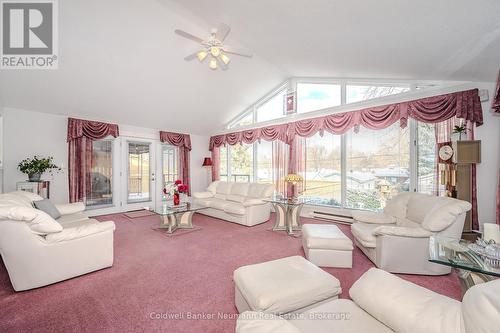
442 216
44 224
48 207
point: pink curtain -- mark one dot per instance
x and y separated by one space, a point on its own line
465 105
498 199
183 143
279 166
81 133
496 98
296 164
215 163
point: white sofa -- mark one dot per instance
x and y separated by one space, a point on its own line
241 203
397 239
382 302
38 250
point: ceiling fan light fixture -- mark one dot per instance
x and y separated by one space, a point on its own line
213 64
202 55
225 59
215 51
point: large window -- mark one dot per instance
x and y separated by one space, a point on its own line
264 163
317 96
101 174
427 180
322 178
272 108
170 167
236 163
358 93
378 166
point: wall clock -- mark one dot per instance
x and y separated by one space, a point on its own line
445 152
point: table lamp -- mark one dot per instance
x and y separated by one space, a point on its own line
293 179
207 163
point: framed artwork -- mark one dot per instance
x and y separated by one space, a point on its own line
289 103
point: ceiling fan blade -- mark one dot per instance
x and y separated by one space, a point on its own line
240 52
189 36
222 31
191 56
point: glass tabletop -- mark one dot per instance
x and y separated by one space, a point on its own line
288 201
169 209
457 253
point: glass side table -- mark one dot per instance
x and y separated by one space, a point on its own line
173 218
469 265
287 214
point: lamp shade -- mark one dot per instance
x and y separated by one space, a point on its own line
207 161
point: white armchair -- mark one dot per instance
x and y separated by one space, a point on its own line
38 250
397 240
242 203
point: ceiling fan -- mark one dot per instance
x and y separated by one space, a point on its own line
214 47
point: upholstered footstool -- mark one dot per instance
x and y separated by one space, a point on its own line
326 245
291 284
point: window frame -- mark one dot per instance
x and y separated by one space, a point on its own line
113 179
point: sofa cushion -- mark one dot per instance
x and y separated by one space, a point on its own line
48 207
205 202
259 322
417 232
217 203
220 196
364 233
38 221
397 206
203 195
419 205
325 236
260 190
481 308
402 305
252 202
82 230
284 285
372 217
14 199
235 198
28 195
213 187
69 219
240 189
443 215
235 208
224 188
404 222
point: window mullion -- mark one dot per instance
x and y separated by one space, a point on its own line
413 155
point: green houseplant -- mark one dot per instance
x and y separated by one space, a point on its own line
460 129
34 167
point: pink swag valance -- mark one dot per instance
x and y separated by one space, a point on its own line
464 104
496 98
176 139
93 130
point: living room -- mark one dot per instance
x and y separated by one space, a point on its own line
222 166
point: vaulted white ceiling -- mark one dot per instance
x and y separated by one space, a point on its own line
120 60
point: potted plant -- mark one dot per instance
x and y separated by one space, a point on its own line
460 129
34 167
175 189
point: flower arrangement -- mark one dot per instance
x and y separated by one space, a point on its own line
34 167
174 189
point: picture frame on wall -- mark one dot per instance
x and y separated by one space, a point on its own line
289 103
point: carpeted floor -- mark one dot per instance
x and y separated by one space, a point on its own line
187 275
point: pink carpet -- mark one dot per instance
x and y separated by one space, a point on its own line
191 273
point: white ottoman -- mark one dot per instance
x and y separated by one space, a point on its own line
291 284
326 246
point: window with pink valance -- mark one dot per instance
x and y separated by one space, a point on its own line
81 133
183 143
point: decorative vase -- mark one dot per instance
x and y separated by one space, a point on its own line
177 199
34 177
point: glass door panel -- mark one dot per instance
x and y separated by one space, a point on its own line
139 171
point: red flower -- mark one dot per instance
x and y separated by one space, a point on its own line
178 182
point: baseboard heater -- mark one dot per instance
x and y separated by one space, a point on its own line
345 219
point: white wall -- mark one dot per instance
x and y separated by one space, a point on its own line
27 133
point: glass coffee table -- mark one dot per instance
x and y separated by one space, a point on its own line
471 267
287 214
173 218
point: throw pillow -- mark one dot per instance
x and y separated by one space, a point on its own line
48 207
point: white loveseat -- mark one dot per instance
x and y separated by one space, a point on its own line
382 302
38 250
397 239
241 203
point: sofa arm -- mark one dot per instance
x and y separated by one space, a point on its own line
402 232
404 306
260 322
253 202
202 195
70 208
80 231
372 217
